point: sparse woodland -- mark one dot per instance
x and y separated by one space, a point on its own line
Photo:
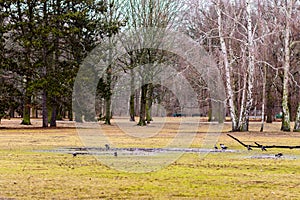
255 43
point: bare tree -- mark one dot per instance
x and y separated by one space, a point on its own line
285 108
224 50
147 14
250 71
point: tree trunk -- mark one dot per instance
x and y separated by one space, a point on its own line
243 102
131 108
70 114
149 103
285 126
210 115
26 110
78 112
222 116
230 96
132 97
108 95
142 121
216 114
297 121
12 113
44 110
60 113
137 102
250 71
107 110
78 117
263 98
269 98
33 107
46 61
53 116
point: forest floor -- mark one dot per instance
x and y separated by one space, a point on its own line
32 167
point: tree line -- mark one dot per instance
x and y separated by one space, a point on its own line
255 44
42 46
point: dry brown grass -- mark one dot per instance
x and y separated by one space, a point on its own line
29 174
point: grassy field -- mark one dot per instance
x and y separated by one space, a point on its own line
27 173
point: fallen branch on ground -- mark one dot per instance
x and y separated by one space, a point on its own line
263 147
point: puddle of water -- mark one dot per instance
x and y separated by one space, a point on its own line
156 151
272 156
131 151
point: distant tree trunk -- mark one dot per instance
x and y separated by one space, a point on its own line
263 98
46 61
60 113
132 97
12 113
108 96
142 121
33 107
78 117
285 126
44 109
216 111
78 113
107 110
137 102
230 96
70 113
149 103
269 98
26 109
53 116
221 112
297 121
131 108
210 116
243 102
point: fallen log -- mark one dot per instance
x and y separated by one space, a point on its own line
263 147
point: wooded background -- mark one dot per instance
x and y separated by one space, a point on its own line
255 43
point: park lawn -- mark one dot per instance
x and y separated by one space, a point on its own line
26 173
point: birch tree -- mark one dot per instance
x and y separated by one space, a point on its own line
250 71
215 25
285 126
224 50
297 121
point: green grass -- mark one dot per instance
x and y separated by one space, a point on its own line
28 174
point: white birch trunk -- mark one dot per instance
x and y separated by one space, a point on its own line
242 109
285 126
227 71
297 122
250 71
243 101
